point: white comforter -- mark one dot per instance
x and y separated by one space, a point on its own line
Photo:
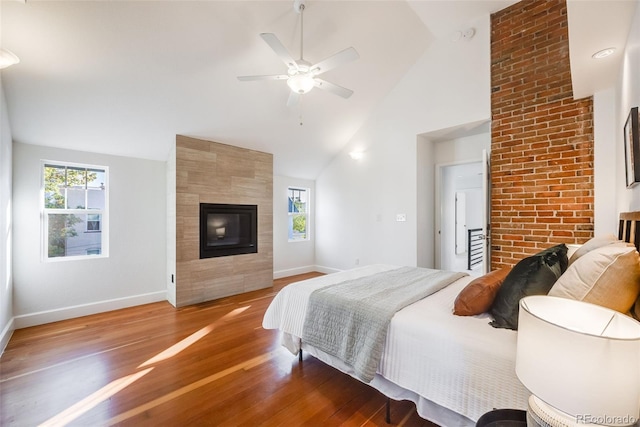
438 360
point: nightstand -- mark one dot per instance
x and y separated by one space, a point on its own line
503 418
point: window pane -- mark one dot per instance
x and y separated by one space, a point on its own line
297 200
76 177
96 178
75 198
297 227
67 235
95 199
54 184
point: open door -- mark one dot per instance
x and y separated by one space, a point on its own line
460 216
486 211
461 222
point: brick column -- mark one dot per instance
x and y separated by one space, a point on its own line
541 138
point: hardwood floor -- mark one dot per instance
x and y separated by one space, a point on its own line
202 365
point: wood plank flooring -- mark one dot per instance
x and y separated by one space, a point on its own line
210 364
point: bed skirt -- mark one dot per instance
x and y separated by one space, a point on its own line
426 408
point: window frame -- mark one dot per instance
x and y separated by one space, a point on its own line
306 214
46 212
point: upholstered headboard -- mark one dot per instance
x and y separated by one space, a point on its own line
629 228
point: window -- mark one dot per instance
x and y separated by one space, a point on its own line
93 222
74 210
298 214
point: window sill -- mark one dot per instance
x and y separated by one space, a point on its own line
75 258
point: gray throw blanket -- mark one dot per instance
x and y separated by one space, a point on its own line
349 320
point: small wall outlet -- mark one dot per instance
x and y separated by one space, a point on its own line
401 217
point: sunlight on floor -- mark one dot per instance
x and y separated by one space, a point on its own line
251 363
89 402
106 392
191 339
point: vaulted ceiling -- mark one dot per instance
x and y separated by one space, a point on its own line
124 78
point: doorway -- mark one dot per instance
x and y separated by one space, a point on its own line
460 144
460 217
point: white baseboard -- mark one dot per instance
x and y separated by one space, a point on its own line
327 270
293 271
301 270
6 335
42 317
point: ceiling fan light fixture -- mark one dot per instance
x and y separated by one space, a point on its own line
301 83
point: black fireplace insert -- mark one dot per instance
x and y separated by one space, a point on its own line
228 229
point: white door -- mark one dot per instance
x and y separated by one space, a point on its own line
461 222
486 211
460 205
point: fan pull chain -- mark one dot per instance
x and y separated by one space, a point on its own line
300 103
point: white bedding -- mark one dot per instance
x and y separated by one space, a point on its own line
454 368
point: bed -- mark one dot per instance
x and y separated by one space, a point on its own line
454 368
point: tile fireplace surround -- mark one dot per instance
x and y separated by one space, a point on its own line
210 172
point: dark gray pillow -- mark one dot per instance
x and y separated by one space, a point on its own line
534 275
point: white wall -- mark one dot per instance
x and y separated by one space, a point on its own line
628 95
291 258
134 272
357 201
170 275
6 279
605 153
462 149
425 209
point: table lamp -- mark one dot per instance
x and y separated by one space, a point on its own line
580 361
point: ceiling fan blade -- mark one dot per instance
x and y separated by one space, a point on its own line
333 88
272 77
342 57
278 48
294 99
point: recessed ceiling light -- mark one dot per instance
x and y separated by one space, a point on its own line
356 155
7 58
603 53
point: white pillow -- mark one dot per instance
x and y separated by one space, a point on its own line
594 243
608 276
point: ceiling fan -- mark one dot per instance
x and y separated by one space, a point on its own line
302 76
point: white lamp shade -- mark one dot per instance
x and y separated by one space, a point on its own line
301 83
580 358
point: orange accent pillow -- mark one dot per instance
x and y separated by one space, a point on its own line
478 295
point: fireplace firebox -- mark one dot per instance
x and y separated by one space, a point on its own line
228 230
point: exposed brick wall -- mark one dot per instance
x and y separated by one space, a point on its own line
541 139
